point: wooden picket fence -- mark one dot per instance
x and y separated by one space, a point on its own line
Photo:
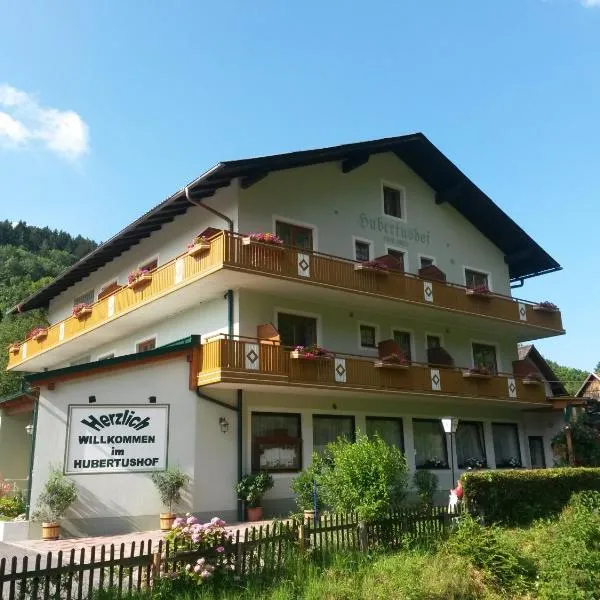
264 550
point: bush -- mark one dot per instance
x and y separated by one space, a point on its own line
367 476
12 506
56 497
519 497
251 488
426 483
169 484
304 484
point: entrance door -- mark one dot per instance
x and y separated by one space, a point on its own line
293 235
296 330
536 451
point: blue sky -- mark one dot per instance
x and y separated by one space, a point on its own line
125 102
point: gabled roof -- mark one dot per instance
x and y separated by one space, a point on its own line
530 352
588 379
524 257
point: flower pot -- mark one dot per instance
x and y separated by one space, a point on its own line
166 521
140 282
254 513
50 531
83 313
197 249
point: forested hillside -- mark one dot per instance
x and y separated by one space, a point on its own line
570 376
29 258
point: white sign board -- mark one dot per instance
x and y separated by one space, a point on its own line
117 438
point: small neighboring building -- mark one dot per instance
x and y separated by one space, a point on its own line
590 388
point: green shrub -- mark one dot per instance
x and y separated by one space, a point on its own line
169 484
586 444
426 483
367 476
251 488
520 496
56 497
304 484
12 506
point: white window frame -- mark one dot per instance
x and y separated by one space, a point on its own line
487 343
377 336
314 228
411 332
299 313
149 259
105 356
146 338
93 294
482 271
371 244
432 258
404 251
402 190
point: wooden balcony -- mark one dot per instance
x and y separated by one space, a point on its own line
248 361
229 263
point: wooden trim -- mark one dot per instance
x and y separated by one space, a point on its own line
194 360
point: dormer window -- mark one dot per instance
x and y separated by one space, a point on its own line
393 201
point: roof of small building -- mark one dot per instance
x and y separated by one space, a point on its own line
524 257
588 379
529 351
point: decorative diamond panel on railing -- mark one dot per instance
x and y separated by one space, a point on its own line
111 306
436 382
512 388
252 357
522 312
61 332
428 291
303 265
340 370
179 270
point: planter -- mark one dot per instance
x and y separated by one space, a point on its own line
479 294
14 348
198 249
12 531
382 364
140 282
531 381
370 269
50 531
166 521
545 309
254 513
247 241
297 355
473 375
83 313
41 335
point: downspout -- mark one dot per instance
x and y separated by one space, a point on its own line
188 197
31 457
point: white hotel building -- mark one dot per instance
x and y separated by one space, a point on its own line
201 352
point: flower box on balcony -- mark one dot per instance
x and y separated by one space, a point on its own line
372 266
477 373
313 352
479 291
139 279
547 307
393 361
38 334
81 311
198 246
269 239
14 348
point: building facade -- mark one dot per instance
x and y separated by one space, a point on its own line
392 260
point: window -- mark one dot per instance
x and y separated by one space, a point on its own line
293 235
402 338
536 451
431 451
146 345
389 430
399 256
470 445
150 265
393 200
108 289
433 341
328 428
368 336
106 356
475 279
506 444
425 261
362 250
276 442
85 298
297 330
484 356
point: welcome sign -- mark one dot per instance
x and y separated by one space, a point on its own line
117 438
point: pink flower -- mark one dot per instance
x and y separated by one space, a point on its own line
188 567
192 521
196 538
197 568
220 549
201 561
205 574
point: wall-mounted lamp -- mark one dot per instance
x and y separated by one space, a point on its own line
223 424
29 429
152 399
92 399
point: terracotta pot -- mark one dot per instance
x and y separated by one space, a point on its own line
166 521
255 513
50 531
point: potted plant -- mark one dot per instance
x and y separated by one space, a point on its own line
38 333
53 502
169 484
198 245
372 266
139 278
251 489
395 360
546 306
81 310
478 372
312 352
262 238
480 291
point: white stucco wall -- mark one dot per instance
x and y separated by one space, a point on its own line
15 447
322 197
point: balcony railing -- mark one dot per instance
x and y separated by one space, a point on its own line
248 360
228 251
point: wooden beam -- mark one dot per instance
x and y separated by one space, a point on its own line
354 162
449 194
250 180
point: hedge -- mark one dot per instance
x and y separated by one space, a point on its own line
520 496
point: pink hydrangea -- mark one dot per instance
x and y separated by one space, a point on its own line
192 520
220 549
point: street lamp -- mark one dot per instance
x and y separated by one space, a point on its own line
450 425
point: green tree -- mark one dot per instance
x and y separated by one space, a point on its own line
571 377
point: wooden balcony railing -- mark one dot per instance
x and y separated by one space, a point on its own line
248 360
228 251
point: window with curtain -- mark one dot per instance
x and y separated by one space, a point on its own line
431 451
402 338
484 356
276 442
389 430
328 428
470 445
506 445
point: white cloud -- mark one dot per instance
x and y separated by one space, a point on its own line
590 3
24 122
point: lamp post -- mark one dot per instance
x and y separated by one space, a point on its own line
450 425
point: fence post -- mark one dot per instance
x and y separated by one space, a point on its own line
156 564
301 537
363 536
